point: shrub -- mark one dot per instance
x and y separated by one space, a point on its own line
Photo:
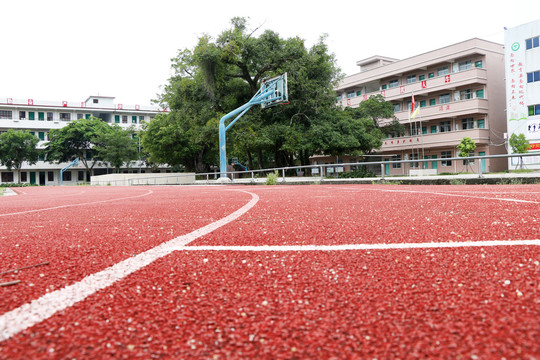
271 179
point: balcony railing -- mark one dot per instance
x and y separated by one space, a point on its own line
450 138
424 87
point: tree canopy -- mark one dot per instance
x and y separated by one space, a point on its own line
221 74
16 147
116 147
77 140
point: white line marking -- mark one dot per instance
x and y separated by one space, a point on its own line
40 309
467 196
363 246
455 195
72 205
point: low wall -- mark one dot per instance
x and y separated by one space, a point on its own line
143 179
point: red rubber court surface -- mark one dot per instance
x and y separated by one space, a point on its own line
279 272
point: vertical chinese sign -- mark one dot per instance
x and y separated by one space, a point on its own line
516 68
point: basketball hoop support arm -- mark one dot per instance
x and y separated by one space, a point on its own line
257 99
73 163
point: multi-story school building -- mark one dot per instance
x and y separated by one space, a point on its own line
461 93
522 47
39 117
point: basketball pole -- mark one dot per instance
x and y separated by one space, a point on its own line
257 99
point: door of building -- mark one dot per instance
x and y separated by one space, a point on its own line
42 178
386 168
434 163
32 177
482 161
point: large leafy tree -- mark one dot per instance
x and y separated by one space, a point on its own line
519 145
466 147
16 147
77 140
117 147
221 74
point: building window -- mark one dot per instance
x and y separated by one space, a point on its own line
465 65
423 103
117 117
444 99
411 79
533 76
124 119
50 176
7 177
467 124
41 116
534 110
49 116
442 71
41 156
87 116
532 42
431 75
481 124
22 115
66 176
433 129
65 116
422 77
359 92
396 108
396 165
444 126
393 84
95 101
466 94
134 119
80 175
79 116
424 130
24 177
141 118
480 94
414 129
478 64
431 102
446 155
31 115
4 114
383 87
351 94
41 135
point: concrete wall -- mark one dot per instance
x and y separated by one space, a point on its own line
143 179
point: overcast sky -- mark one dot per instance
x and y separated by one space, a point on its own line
68 50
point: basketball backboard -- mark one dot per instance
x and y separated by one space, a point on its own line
279 85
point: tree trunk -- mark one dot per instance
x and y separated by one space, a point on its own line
250 159
260 158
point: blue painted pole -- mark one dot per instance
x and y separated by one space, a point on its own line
257 99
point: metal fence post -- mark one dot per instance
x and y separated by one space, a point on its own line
321 173
382 171
480 175
283 174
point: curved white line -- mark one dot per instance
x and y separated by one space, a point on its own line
72 205
40 309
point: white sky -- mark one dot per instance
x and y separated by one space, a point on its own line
67 50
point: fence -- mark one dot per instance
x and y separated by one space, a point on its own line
254 176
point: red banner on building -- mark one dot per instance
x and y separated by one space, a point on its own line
535 146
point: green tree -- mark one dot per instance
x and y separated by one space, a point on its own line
519 145
117 147
16 147
466 147
221 74
77 140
